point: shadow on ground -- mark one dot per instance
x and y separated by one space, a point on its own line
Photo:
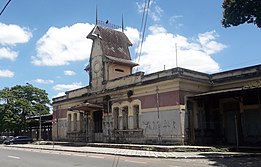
240 161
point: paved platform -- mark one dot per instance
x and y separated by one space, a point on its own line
135 152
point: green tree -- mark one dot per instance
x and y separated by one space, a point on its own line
238 12
19 102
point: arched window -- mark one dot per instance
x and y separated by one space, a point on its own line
136 112
125 116
116 117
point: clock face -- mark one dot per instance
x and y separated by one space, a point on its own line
96 67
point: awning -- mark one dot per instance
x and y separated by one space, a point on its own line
217 92
86 107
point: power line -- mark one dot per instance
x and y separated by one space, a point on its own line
5 7
143 28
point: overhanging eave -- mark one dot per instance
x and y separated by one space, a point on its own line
86 107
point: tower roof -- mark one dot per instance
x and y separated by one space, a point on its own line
113 43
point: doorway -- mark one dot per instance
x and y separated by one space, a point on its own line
98 132
232 125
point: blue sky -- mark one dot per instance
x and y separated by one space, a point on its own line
44 42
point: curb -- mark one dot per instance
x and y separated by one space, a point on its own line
199 156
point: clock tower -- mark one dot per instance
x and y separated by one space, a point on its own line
110 57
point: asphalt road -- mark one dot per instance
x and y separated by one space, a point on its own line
14 157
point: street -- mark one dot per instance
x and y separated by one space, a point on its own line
20 157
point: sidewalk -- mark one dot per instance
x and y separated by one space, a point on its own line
136 153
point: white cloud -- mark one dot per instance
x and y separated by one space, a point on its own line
10 35
192 54
209 45
69 72
174 21
65 87
157 29
6 74
132 34
13 34
59 94
154 11
7 53
140 6
60 46
42 81
174 18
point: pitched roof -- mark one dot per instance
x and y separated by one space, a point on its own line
114 43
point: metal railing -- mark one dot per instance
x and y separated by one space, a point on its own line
108 24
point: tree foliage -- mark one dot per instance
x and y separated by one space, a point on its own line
238 12
19 102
